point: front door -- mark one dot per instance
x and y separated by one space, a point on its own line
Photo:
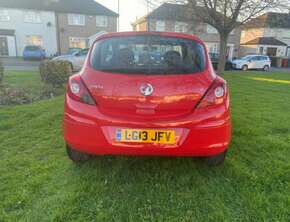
254 63
3 46
271 51
230 51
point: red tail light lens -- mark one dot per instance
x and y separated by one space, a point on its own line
78 91
216 95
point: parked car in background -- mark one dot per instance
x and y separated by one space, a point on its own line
214 57
76 60
123 104
33 52
72 51
252 62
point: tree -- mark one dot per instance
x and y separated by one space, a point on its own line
226 15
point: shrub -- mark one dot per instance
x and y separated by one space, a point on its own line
1 72
48 91
55 73
10 96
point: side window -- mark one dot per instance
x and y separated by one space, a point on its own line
84 52
261 58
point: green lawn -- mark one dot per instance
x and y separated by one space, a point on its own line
28 81
39 183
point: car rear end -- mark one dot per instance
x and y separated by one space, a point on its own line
34 52
128 101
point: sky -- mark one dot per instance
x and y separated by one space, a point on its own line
129 10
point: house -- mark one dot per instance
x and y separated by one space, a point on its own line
24 23
56 25
174 18
78 20
268 34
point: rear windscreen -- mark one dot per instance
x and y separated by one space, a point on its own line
148 55
32 48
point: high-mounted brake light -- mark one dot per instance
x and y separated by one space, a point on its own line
78 91
216 95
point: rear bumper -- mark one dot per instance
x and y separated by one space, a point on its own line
88 130
33 56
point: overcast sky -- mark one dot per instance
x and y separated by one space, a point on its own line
129 10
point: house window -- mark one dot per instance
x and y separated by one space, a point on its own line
212 48
76 19
102 21
288 52
32 17
180 27
160 26
78 42
4 16
211 30
34 40
261 50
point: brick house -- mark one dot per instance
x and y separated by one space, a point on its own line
56 25
174 18
78 20
268 34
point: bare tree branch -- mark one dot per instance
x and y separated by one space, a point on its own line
226 15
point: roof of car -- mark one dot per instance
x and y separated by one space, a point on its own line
89 7
164 34
252 55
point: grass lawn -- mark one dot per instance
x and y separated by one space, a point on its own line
39 183
28 81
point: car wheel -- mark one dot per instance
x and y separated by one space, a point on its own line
245 68
266 68
216 160
76 156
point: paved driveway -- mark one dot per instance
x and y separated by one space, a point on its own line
19 64
280 70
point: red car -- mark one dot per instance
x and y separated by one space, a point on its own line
147 93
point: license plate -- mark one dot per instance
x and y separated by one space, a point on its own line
145 136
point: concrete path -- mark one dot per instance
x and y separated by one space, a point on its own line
18 64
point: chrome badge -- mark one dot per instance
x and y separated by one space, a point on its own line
146 89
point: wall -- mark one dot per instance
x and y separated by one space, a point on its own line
255 49
66 31
250 34
22 29
200 30
280 34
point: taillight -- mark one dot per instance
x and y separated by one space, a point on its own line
78 91
216 95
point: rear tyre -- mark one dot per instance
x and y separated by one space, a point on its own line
266 68
76 156
216 160
245 68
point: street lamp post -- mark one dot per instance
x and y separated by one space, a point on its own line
119 16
